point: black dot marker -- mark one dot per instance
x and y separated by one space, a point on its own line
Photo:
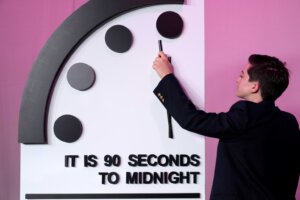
118 38
81 76
67 128
169 24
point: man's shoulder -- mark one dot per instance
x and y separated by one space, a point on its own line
264 110
252 106
242 104
251 113
289 117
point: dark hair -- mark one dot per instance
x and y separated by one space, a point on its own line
271 74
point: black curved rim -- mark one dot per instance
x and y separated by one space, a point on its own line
55 53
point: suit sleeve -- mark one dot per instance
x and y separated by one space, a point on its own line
222 125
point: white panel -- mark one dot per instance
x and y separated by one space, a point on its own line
120 114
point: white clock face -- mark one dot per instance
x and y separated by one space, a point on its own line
116 113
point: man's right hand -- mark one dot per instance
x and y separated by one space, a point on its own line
162 65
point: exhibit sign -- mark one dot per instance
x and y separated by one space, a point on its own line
90 126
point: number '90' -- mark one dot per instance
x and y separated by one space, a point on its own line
110 160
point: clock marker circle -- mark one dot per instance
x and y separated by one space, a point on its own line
169 24
81 76
118 38
67 128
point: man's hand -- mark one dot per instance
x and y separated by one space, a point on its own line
162 65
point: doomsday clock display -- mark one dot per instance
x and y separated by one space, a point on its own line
90 125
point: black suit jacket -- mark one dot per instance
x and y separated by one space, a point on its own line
258 154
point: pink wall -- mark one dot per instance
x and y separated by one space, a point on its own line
234 29
24 28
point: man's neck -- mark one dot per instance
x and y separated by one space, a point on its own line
254 98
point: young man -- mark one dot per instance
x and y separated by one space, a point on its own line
258 154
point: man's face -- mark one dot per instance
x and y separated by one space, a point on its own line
244 87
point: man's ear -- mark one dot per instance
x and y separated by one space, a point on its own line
255 87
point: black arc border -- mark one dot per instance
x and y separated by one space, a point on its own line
55 53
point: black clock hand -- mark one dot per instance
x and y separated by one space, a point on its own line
168 115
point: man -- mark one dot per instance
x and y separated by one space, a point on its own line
258 154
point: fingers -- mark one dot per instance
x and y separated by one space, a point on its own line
161 58
157 62
162 65
163 55
160 61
